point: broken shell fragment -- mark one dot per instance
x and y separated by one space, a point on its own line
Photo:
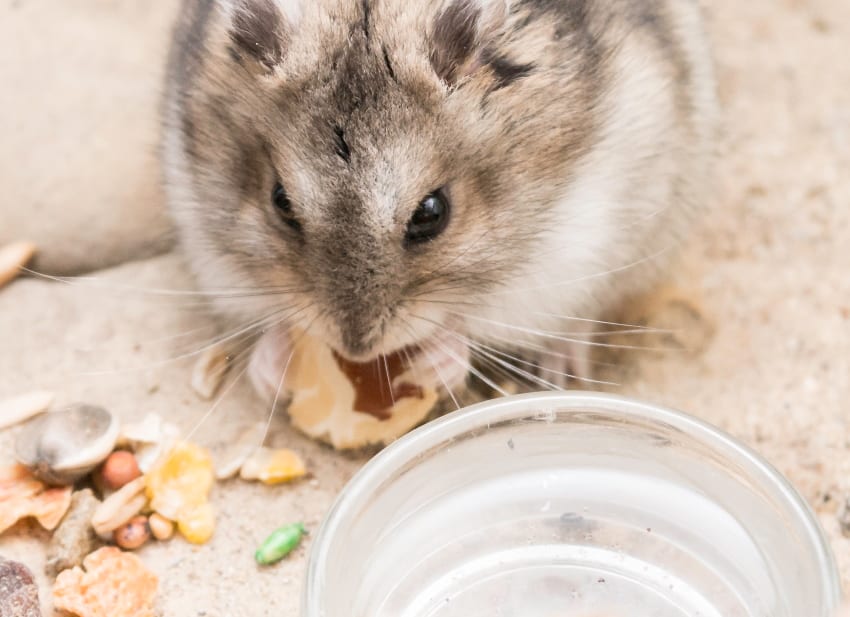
74 538
22 496
273 466
18 591
113 584
209 372
119 508
178 488
20 408
149 440
13 257
132 534
161 528
63 446
233 455
119 469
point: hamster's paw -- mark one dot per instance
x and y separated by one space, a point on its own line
268 364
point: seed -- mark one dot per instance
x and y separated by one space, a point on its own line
20 408
119 469
273 466
280 544
161 528
133 534
119 508
12 258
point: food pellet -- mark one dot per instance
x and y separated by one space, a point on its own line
119 469
133 534
280 544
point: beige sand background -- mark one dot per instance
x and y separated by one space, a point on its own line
77 167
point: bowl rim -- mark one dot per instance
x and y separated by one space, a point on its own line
486 413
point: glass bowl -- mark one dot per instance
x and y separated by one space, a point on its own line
569 505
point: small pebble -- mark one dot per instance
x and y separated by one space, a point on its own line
133 534
119 469
161 528
74 538
18 591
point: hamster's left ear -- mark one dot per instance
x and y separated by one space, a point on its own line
261 29
460 31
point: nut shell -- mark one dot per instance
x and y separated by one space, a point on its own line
63 446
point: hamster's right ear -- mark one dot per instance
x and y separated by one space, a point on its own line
459 33
261 29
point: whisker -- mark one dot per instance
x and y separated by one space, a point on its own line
433 365
224 293
389 380
252 329
543 368
555 336
468 366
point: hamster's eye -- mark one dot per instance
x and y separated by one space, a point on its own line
429 220
284 207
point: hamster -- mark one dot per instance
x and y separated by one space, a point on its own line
458 179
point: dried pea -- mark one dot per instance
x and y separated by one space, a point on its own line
280 544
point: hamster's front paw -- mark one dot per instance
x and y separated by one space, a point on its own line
269 363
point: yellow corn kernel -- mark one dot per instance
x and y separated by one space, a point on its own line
273 466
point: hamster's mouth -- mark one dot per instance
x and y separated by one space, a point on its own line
439 362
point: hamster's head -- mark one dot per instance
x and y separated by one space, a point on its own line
368 169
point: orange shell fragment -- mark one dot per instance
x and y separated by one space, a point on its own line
22 496
113 584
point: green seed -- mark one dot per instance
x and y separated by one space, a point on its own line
280 544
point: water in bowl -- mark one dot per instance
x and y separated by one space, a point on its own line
555 560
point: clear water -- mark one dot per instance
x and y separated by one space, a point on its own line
539 555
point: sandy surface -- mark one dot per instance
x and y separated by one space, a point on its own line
770 266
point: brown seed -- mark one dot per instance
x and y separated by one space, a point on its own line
132 535
120 469
161 528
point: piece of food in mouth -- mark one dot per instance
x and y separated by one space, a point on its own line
352 405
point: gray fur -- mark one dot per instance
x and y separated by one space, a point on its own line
363 107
